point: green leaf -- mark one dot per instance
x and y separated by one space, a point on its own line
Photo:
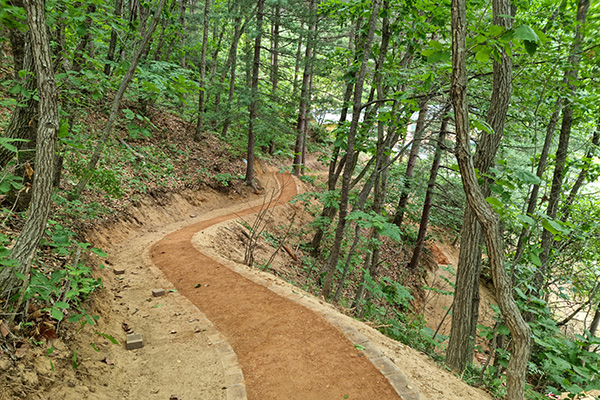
483 54
98 252
524 32
526 219
57 314
62 305
482 126
107 336
530 47
494 202
550 227
527 177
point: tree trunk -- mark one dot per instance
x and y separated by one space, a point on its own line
570 80
78 54
349 168
23 121
253 107
275 49
466 298
114 110
489 220
329 212
112 46
414 262
411 164
200 125
583 174
541 168
304 94
27 242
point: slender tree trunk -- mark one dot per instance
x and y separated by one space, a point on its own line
200 125
583 174
541 168
489 220
297 65
253 107
466 298
23 121
411 164
114 110
349 168
27 242
78 54
414 262
329 211
304 94
275 49
563 143
112 46
230 63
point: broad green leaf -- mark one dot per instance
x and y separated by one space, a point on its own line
62 305
550 227
526 219
524 32
527 177
494 202
57 314
483 54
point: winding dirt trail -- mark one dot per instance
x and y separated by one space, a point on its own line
285 350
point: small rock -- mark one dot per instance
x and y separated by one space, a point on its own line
118 271
158 292
193 216
174 397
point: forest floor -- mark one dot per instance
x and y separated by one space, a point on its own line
189 245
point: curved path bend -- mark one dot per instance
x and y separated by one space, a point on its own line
285 350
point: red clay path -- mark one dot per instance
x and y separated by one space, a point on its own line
285 350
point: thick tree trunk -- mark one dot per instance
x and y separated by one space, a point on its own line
202 84
349 168
253 107
411 164
466 299
563 143
114 110
489 220
437 157
27 242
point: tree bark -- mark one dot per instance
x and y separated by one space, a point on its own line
541 168
301 126
489 220
466 298
439 148
253 107
570 80
202 84
23 121
349 168
411 164
27 242
114 110
112 46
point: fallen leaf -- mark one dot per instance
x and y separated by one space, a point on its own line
21 351
28 170
4 331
